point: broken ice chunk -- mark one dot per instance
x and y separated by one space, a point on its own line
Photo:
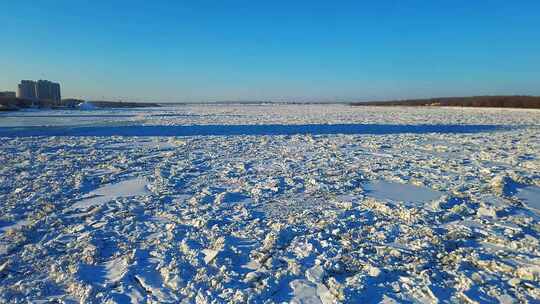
315 274
210 255
305 292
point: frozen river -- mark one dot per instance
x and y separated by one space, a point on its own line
270 204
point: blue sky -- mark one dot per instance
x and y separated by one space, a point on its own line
279 50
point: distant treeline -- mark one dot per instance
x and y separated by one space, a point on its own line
530 102
13 104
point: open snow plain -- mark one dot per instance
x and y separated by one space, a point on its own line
270 204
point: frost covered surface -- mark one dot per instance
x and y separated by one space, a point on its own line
271 114
399 217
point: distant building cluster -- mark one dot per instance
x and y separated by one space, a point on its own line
39 90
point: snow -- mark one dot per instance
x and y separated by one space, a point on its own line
530 196
391 191
14 226
270 204
127 188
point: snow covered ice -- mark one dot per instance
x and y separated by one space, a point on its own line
270 204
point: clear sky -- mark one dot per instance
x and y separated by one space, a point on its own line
272 50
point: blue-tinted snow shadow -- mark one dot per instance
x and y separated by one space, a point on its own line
236 130
69 116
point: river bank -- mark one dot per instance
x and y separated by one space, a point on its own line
15 104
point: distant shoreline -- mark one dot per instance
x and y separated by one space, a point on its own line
517 101
15 104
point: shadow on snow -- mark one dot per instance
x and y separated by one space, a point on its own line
236 130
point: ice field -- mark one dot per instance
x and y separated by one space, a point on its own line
270 204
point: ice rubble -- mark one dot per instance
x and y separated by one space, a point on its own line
394 218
